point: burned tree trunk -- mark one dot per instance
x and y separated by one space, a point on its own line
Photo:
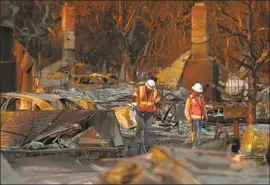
252 86
252 77
254 51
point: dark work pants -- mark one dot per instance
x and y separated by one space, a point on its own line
144 122
197 126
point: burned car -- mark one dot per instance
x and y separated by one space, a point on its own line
13 101
34 102
47 123
78 96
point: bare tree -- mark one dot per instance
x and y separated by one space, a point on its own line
31 22
149 33
168 33
253 50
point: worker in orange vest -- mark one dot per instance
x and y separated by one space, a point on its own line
196 113
147 103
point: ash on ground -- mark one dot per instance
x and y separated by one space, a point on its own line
174 135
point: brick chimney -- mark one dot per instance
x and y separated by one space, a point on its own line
68 30
200 68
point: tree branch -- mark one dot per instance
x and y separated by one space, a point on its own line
245 3
230 33
240 62
253 57
261 51
236 34
228 16
263 28
226 30
264 56
35 28
243 13
15 10
247 56
47 11
259 65
130 21
257 30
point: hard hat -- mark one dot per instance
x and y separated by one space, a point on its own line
197 87
151 84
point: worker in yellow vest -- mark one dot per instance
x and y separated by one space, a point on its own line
147 103
196 113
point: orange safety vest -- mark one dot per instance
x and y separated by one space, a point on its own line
144 104
197 108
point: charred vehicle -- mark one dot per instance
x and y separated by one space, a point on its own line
12 102
124 113
46 123
30 101
78 96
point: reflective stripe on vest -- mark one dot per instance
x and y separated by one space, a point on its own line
197 108
144 104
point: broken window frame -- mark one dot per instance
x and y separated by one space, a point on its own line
3 102
90 81
66 103
16 104
35 107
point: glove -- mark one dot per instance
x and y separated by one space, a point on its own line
189 121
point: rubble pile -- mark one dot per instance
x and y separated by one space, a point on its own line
126 116
255 140
174 136
163 165
96 95
184 167
109 94
88 115
180 94
42 130
73 93
70 131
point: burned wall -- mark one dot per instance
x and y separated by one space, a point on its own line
7 64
